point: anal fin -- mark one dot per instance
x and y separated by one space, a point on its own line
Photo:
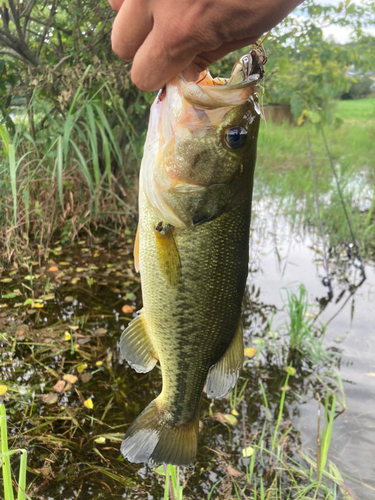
136 346
222 376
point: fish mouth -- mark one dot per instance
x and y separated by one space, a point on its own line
210 93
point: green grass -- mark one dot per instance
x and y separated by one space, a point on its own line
359 109
5 459
283 172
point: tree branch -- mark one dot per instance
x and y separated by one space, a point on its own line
26 13
46 27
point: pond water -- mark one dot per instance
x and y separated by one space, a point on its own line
286 254
73 427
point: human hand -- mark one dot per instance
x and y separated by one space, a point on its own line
166 37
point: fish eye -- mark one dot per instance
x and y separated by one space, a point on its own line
235 137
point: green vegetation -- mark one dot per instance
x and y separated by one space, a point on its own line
5 459
284 173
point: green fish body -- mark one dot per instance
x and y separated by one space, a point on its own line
196 186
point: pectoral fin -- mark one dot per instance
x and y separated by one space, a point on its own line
168 256
223 376
136 346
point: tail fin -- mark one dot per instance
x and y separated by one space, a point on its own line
152 438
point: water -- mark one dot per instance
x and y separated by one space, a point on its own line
287 256
74 450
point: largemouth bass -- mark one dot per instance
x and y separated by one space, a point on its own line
192 249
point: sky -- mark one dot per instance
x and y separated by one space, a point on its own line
339 33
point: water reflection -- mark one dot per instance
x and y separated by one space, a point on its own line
285 254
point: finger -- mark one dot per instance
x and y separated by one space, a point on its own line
226 48
116 4
130 28
160 57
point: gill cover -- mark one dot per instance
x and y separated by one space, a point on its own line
182 140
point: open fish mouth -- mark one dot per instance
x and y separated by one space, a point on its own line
212 93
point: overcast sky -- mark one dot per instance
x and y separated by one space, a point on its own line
339 33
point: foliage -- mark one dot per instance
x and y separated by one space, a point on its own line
308 71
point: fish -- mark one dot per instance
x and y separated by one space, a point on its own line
192 251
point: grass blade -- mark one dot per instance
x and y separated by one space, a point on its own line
7 476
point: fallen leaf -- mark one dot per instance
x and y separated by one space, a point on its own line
38 305
127 309
48 296
53 269
72 379
99 363
86 377
68 299
6 280
234 412
247 452
63 263
225 418
74 281
8 296
233 472
67 336
31 311
81 269
100 331
250 352
50 398
81 367
59 386
285 388
73 327
100 440
3 389
130 296
310 315
89 404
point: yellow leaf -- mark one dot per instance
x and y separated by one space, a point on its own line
99 363
235 413
247 452
48 296
250 352
38 305
310 315
100 440
225 418
81 367
89 404
72 379
3 389
67 336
